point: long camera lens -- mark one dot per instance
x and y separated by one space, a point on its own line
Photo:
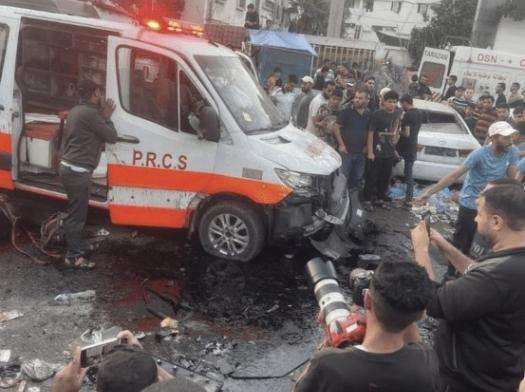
327 291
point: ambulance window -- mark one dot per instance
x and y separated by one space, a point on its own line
4 32
148 86
191 103
434 72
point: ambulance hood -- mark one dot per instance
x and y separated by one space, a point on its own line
296 150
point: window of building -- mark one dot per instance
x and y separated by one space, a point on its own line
423 9
4 34
357 32
396 6
369 5
152 87
269 5
241 4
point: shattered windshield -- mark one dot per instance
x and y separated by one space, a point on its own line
249 104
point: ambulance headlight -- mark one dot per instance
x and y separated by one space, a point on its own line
302 184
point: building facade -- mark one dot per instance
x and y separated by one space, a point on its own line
388 22
233 12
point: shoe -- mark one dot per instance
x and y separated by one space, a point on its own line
79 263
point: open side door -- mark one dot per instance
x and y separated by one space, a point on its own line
435 64
154 177
10 101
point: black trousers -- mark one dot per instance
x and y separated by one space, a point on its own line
78 189
464 233
378 175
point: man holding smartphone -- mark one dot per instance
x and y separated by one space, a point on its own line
128 368
480 342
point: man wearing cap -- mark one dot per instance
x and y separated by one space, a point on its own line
488 163
88 128
302 102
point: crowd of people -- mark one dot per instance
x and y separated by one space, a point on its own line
479 345
374 129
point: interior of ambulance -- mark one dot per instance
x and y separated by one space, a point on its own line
51 59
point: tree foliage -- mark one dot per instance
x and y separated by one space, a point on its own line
514 9
451 24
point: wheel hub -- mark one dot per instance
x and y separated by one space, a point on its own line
228 234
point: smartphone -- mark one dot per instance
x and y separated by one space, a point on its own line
426 219
89 355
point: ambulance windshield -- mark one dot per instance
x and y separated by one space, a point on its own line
249 104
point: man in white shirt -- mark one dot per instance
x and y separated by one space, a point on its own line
316 103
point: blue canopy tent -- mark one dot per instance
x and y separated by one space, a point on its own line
291 52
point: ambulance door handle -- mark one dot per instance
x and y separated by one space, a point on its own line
2 107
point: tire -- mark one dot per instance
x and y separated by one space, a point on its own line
232 230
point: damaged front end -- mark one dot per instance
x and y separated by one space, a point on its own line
324 211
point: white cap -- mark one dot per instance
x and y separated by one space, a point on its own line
502 128
384 91
307 79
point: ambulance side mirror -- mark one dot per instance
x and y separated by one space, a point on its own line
210 124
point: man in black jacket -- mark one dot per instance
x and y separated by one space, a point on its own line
481 341
88 128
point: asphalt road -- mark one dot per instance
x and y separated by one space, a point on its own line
253 319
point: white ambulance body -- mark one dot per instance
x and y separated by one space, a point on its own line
247 179
480 69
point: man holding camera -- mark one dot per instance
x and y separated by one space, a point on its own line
390 358
481 342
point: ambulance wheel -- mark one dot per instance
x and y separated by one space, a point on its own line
232 230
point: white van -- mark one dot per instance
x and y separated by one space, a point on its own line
479 69
247 179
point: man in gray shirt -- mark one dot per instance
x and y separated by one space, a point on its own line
88 128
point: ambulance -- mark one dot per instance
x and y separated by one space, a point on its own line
201 145
476 68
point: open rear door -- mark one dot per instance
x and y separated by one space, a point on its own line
10 108
435 64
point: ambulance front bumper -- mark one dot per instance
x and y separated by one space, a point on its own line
299 216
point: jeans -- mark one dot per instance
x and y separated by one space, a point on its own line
354 169
379 173
78 189
410 159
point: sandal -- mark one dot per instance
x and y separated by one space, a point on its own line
79 263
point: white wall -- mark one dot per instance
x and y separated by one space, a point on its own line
195 11
231 12
509 36
382 15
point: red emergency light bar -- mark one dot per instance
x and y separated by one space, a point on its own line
169 25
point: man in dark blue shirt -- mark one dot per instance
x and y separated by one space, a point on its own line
351 135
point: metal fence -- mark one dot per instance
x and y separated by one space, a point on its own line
344 55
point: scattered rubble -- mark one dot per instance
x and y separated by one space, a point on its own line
38 370
5 355
170 323
93 335
76 298
10 315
